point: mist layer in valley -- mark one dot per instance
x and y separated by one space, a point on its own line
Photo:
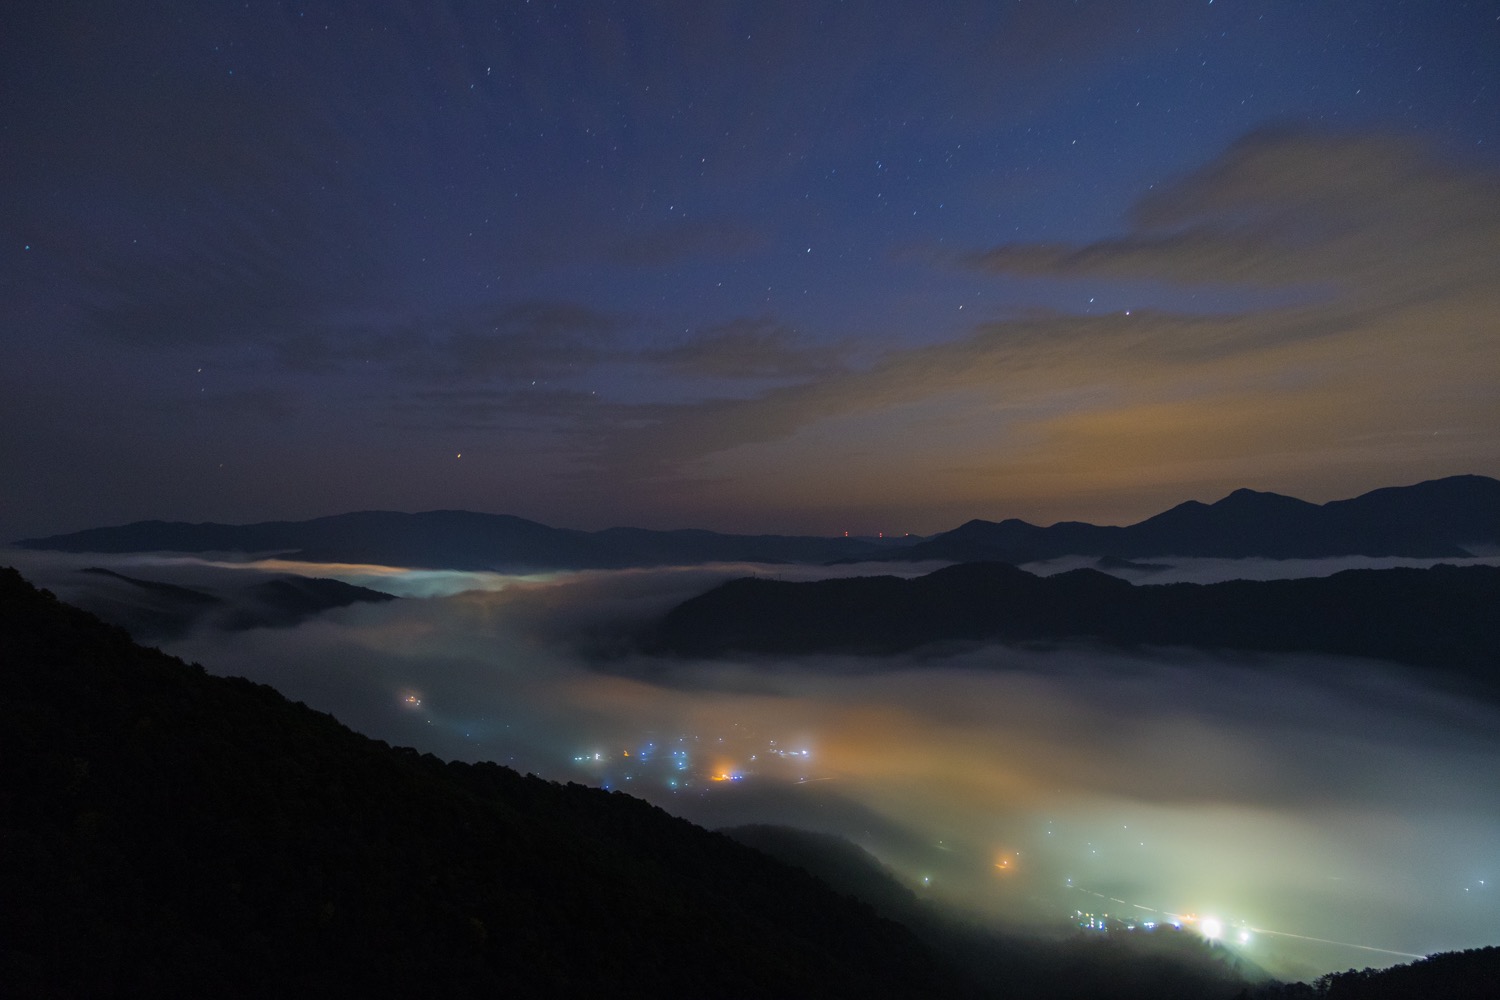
1325 813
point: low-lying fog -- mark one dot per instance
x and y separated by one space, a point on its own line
1289 798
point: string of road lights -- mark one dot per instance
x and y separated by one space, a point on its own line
1212 928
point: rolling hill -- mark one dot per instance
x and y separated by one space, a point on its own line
1441 618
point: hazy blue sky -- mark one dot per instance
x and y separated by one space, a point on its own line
753 266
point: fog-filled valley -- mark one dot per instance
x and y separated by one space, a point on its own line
750 499
1310 813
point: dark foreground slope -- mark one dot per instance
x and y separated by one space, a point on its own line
1451 975
166 832
1441 617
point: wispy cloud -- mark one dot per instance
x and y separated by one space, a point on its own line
1392 336
1371 215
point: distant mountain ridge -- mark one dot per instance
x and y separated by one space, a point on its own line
457 539
1436 519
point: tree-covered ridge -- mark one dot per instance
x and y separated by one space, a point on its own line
1452 975
167 832
1441 617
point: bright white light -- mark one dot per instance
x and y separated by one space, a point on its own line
1244 937
1211 928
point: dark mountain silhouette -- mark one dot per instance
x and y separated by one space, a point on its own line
153 610
1108 563
1437 519
170 833
841 863
1449 975
456 539
168 593
1441 618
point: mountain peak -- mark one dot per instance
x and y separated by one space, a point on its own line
1245 497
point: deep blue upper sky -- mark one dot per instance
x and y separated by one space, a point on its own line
752 266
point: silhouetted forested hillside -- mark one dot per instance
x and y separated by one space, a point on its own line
1442 617
1451 975
166 832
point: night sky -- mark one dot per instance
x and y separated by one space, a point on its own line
795 267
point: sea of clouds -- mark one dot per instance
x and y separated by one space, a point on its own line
1291 797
